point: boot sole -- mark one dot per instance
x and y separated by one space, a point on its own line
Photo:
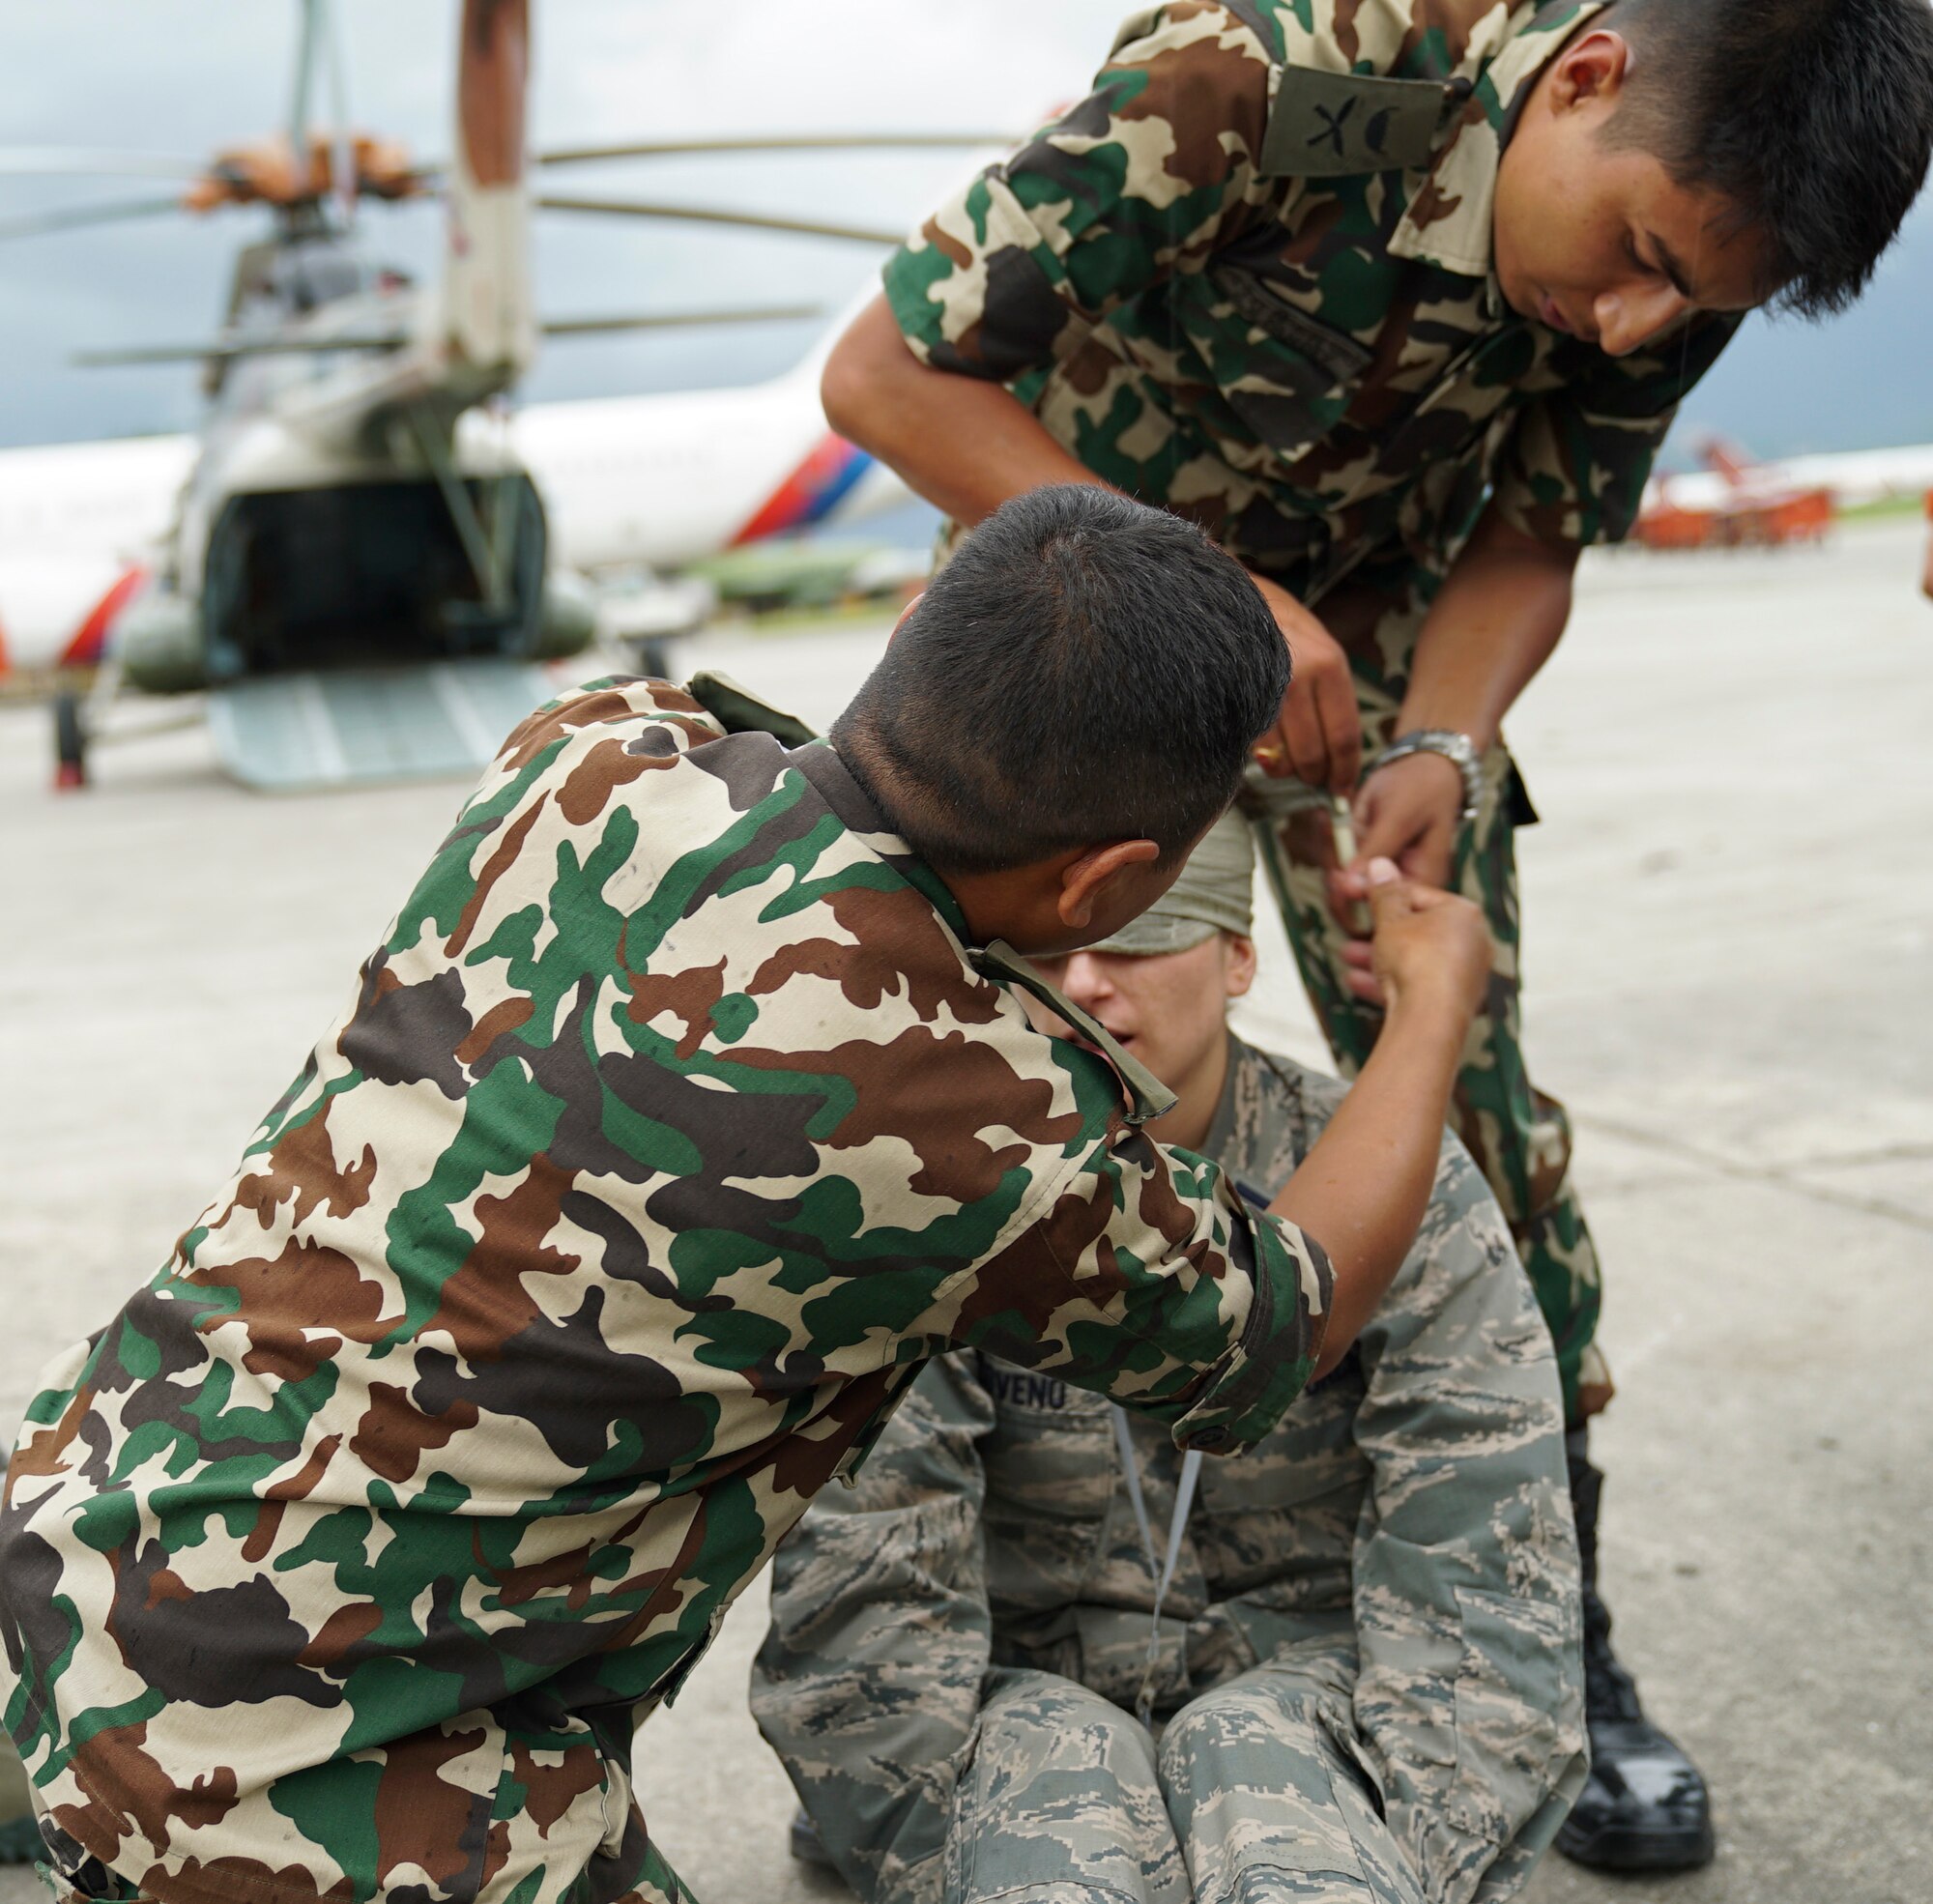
1618 1848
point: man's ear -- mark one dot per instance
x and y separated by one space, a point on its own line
1592 67
1085 880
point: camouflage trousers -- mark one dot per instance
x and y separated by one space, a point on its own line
1519 1137
1258 1791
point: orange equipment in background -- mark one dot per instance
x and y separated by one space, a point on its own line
1755 508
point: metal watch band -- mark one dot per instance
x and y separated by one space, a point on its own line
1458 749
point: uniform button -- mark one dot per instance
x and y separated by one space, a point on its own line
1208 1439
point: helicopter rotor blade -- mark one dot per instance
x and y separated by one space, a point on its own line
73 217
225 350
27 161
708 215
779 142
592 327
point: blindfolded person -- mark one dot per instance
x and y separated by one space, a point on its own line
1358 1644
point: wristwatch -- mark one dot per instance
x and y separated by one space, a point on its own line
1458 749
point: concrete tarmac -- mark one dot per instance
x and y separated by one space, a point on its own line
1729 914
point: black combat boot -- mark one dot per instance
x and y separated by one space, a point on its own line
1644 1807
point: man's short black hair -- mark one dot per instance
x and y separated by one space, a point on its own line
1813 118
1084 668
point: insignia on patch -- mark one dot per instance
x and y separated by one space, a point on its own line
1328 125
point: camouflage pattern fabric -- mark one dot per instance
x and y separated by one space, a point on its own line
1234 283
1375 1610
19 1840
1067 1798
668 1130
1060 1801
1520 1136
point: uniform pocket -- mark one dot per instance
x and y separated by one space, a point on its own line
1049 1473
1051 1452
1287 376
1336 356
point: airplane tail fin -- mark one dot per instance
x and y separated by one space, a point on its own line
828 474
484 315
1726 459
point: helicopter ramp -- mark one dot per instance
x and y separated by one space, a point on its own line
285 734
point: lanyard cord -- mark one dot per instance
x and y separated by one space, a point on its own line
1163 1570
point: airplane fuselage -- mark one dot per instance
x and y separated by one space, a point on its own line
658 481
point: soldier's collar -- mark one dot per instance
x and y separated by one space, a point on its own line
1448 221
1147 1096
847 795
739 710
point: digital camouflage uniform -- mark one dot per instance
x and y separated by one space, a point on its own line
1369 1661
1250 279
670 1128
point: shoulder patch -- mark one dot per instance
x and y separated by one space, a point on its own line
1330 125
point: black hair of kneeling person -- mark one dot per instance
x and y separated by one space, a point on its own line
1084 668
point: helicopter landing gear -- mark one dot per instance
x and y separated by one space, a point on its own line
70 742
653 652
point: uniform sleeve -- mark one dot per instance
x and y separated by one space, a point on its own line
868 1684
1470 1697
1147 1279
1574 466
1147 176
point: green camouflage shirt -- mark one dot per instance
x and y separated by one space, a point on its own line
1238 282
672 1127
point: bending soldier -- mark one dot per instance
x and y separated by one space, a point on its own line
687 1107
1397 302
1365 1672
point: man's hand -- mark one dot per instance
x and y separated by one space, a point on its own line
1430 949
1362 1190
1408 812
1494 622
1319 736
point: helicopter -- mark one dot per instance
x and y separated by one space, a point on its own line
357 575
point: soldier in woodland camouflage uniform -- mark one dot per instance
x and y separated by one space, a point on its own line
681 1114
1368 1662
1396 298
687 1107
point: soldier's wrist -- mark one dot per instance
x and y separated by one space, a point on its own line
1428 1010
1457 750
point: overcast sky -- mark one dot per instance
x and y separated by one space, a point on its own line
188 76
